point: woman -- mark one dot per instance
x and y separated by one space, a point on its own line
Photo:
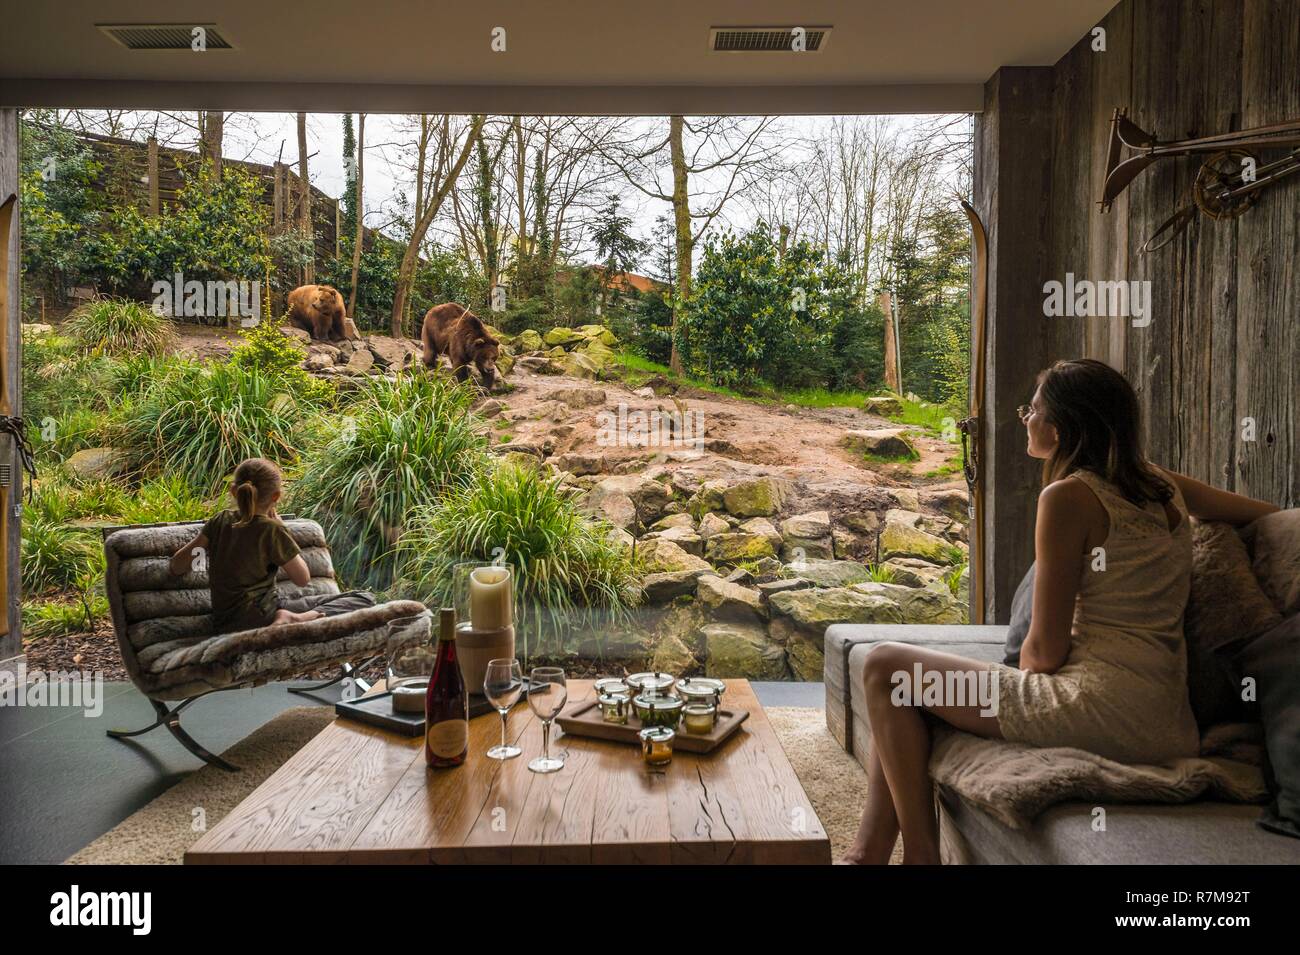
1103 667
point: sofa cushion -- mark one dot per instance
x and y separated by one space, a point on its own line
1022 612
1274 542
1272 661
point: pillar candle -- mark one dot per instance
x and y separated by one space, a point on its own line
490 598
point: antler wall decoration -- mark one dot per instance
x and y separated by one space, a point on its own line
1228 183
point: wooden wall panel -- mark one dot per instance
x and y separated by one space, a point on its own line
10 311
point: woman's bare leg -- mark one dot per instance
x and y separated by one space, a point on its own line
286 616
879 828
901 741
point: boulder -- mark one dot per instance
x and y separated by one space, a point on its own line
673 520
886 406
643 393
672 655
830 573
728 601
521 459
911 572
711 525
816 609
665 586
963 588
575 462
899 539
36 329
850 545
733 547
770 587
937 524
578 365
906 498
324 348
952 502
708 497
528 340
921 605
561 337
395 353
861 522
618 509
806 658
807 535
489 409
739 575
683 537
742 650
621 538
649 496
96 464
759 497
768 567
318 361
763 528
294 333
598 333
579 397
360 362
659 556
887 443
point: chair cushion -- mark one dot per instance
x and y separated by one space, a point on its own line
1274 542
1022 612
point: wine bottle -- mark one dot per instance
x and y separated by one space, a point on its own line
446 706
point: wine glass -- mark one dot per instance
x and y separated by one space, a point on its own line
547 694
502 683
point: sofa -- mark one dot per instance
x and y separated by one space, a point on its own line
1201 832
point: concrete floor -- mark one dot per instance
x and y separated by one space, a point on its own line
63 783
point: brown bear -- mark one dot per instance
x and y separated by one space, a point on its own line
453 330
319 311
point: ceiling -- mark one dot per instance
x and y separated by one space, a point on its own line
562 56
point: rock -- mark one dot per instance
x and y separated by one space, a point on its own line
807 535
360 362
770 587
906 497
489 409
816 609
727 601
683 537
538 451
659 556
577 463
522 459
350 332
769 567
742 650
318 361
673 520
708 497
861 522
760 497
675 507
393 353
711 525
648 495
733 547
880 443
96 464
579 397
763 528
923 605
849 545
952 502
672 655
620 538
578 365
324 348
911 572
886 406
616 508
963 588
937 524
806 659
538 364
528 340
294 333
901 540
830 573
644 393
598 333
665 586
739 575
561 337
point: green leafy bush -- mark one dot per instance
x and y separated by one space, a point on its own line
265 349
200 421
115 326
568 569
402 445
56 618
56 556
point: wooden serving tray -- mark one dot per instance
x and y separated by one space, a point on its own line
585 720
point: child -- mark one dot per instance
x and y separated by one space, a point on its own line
244 548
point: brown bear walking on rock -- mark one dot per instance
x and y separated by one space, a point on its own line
453 330
319 311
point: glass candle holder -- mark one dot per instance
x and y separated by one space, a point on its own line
615 707
657 745
699 718
483 595
409 650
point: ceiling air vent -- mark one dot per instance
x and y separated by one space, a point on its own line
767 39
164 36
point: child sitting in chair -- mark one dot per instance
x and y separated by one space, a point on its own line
245 548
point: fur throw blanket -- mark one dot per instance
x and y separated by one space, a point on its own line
1014 783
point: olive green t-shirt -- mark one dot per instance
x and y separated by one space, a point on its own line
242 563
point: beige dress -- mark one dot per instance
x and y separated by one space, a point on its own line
1122 692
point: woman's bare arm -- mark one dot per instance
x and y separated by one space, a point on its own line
1208 503
183 560
1060 536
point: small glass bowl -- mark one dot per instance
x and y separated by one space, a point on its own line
698 719
615 707
657 745
701 689
658 710
650 684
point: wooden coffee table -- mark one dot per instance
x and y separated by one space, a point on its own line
359 794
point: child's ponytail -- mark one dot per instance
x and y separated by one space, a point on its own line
256 483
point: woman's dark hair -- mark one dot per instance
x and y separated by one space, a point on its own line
1097 419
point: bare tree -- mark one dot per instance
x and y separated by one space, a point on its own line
357 240
304 204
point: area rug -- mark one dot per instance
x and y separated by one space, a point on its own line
159 833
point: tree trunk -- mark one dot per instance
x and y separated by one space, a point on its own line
304 205
356 245
406 272
682 222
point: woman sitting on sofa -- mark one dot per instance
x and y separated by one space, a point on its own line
1103 667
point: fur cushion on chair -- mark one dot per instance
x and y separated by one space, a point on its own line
1274 542
164 624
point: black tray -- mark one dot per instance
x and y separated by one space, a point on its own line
377 710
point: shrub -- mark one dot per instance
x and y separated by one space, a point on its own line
168 497
115 326
56 557
267 350
403 444
56 618
202 420
567 567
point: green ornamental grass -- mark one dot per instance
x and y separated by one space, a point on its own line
116 326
